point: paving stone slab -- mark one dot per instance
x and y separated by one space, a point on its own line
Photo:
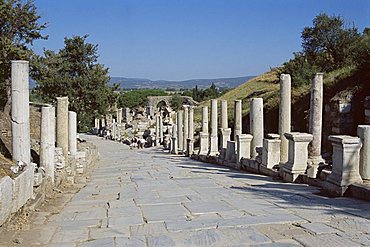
319 228
207 207
327 240
148 229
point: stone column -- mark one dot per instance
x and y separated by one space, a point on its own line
127 115
20 118
157 138
237 118
315 125
180 133
346 157
224 123
284 115
204 136
174 144
119 115
225 130
363 131
256 124
205 119
102 122
298 154
62 124
271 151
186 127
213 147
160 128
243 142
47 141
191 122
72 133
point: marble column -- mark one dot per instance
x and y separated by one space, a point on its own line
298 154
225 130
47 141
191 122
180 132
204 136
72 133
62 124
346 158
174 143
102 122
161 128
186 127
20 119
119 115
363 131
213 147
256 125
284 115
224 123
157 136
237 118
127 115
315 125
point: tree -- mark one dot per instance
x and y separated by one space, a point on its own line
176 102
136 98
19 27
74 72
329 44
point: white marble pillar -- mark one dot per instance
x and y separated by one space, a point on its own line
186 127
191 122
20 118
256 125
237 118
363 131
161 128
213 139
205 119
224 123
127 115
174 144
204 136
157 135
225 130
284 115
315 125
72 133
180 132
62 124
47 141
346 158
119 115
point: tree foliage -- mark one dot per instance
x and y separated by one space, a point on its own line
136 98
75 72
19 27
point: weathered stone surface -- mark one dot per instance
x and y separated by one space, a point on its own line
47 142
213 138
180 133
271 151
6 196
284 114
62 124
256 125
72 133
237 118
22 188
363 131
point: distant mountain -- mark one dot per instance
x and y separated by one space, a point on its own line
137 83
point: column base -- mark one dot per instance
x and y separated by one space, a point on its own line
290 175
213 147
313 165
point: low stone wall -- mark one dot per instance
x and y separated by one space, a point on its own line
14 193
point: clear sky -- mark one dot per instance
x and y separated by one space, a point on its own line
188 39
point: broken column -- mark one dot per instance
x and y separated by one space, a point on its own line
271 150
186 127
20 111
204 136
213 140
62 124
237 118
174 144
256 125
284 115
315 125
72 133
225 130
298 154
346 157
180 133
363 131
243 147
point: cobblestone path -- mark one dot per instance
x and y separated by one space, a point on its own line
150 198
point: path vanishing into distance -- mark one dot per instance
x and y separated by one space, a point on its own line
151 198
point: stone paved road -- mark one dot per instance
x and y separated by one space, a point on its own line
150 198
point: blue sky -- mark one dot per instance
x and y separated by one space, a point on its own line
188 39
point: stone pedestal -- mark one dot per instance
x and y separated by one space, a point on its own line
186 126
20 112
189 147
363 131
47 141
231 152
315 125
180 133
243 142
346 158
256 125
225 137
237 118
284 115
271 151
213 138
203 143
298 154
72 133
62 124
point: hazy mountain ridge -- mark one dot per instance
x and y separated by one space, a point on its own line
140 83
